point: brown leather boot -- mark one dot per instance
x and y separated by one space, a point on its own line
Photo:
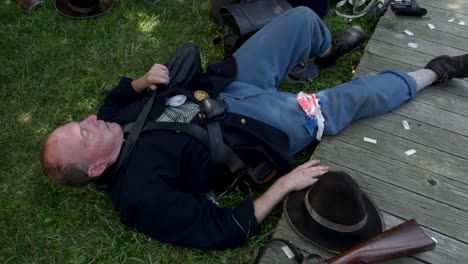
447 67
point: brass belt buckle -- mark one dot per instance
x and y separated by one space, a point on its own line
200 95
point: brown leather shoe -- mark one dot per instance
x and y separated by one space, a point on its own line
29 5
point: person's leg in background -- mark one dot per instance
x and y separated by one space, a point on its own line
263 62
266 58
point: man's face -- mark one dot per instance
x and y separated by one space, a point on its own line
91 140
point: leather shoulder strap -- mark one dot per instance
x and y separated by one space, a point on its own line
134 133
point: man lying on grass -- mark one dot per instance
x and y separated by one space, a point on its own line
160 186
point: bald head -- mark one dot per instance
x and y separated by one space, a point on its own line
77 153
59 166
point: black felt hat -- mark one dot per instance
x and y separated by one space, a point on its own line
334 213
81 9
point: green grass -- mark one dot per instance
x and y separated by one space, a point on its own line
52 71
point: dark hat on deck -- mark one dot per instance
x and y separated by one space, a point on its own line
334 213
81 9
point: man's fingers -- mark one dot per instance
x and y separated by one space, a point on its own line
159 66
312 163
159 73
159 70
308 164
165 69
158 79
301 178
318 171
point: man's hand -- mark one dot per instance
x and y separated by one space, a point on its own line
298 179
158 74
304 175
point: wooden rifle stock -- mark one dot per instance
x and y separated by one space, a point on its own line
402 240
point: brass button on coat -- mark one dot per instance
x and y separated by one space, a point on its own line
243 121
200 95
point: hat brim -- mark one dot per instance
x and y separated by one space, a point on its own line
333 241
63 8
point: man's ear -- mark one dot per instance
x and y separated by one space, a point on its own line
96 169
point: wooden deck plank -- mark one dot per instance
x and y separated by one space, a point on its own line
440 168
438 18
398 53
459 42
455 6
375 62
420 133
443 15
443 100
434 116
400 39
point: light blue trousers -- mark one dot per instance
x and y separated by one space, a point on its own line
266 58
